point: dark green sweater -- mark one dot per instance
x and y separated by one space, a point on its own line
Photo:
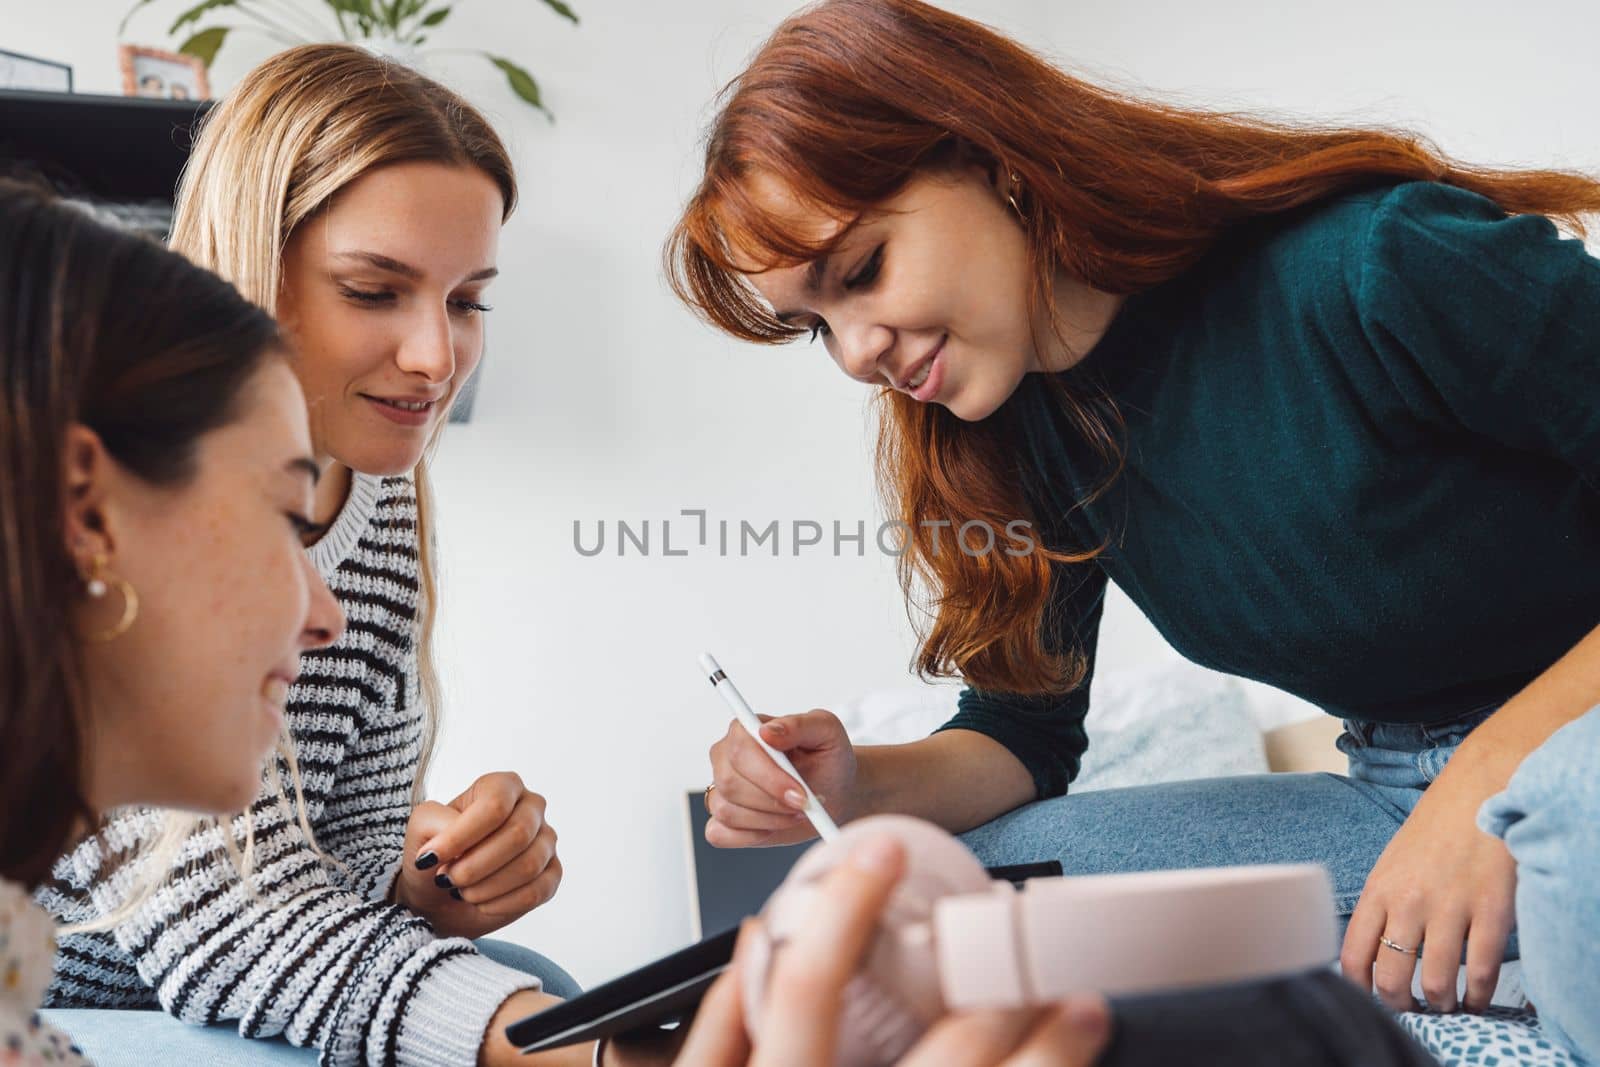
1363 465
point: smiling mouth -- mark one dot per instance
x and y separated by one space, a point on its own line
406 405
924 369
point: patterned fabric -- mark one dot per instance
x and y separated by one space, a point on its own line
1504 1037
27 945
311 949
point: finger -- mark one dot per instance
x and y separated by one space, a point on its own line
514 836
720 836
816 729
972 1039
519 902
1392 975
1487 935
814 967
520 871
482 810
427 821
1360 949
738 789
717 1038
1441 960
1072 1035
736 817
752 763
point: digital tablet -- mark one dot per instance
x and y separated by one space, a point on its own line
665 992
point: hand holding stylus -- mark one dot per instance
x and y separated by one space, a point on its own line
755 802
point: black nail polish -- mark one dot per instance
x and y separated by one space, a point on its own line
456 893
443 881
426 860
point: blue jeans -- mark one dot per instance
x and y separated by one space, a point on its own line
121 1038
1549 818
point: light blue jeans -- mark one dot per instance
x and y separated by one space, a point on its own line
120 1038
1549 817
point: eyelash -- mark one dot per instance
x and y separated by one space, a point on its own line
865 276
304 527
464 307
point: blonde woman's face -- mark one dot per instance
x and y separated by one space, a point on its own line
186 702
383 296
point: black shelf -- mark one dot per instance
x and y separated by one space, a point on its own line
116 148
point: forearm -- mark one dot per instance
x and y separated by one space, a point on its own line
1492 752
957 779
496 1050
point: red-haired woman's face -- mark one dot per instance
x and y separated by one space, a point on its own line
929 295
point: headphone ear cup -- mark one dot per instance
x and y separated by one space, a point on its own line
895 996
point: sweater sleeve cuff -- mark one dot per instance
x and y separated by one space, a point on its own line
384 887
451 1008
1046 734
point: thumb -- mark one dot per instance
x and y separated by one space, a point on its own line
428 820
812 730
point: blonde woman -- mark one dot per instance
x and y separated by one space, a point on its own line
362 204
128 426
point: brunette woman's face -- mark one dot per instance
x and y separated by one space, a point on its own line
383 298
185 704
927 295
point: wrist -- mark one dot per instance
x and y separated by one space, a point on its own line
1478 767
871 792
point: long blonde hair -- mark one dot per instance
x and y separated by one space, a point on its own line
298 129
272 155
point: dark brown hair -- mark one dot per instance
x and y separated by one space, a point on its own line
105 329
851 99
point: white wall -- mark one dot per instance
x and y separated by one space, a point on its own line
603 399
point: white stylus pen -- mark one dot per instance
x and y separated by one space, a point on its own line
826 827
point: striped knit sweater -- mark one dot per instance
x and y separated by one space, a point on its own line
311 950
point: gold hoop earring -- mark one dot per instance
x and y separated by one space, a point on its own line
1011 197
96 587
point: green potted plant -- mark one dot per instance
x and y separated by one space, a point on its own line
400 27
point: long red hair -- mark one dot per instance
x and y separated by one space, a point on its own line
850 99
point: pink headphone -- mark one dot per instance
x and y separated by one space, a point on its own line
953 938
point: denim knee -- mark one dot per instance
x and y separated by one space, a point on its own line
1559 780
555 980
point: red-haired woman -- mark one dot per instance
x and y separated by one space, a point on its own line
1322 402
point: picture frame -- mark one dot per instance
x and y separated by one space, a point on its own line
31 73
163 75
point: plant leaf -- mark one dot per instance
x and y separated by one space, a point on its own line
194 14
562 9
436 17
203 45
521 82
131 12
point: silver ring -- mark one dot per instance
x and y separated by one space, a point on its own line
1386 943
